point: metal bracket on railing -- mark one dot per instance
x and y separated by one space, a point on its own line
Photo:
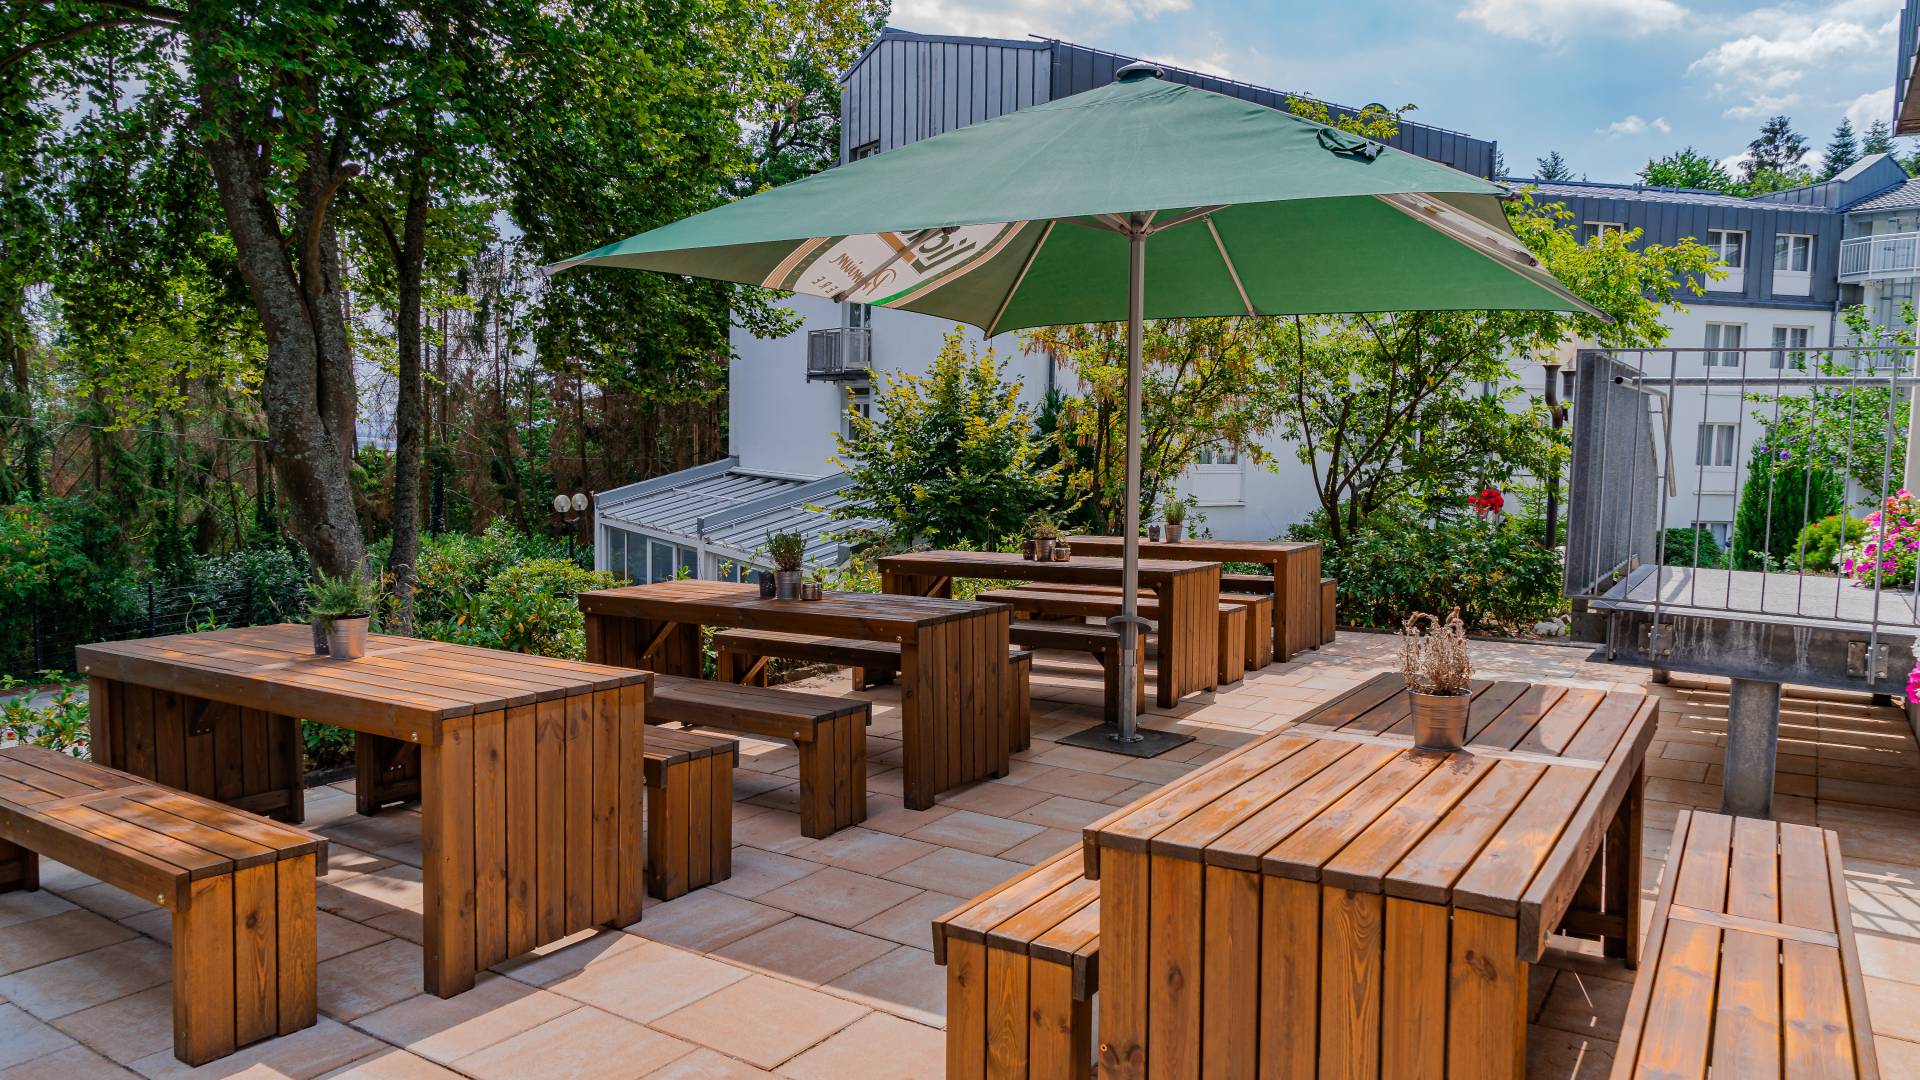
1866 661
1656 642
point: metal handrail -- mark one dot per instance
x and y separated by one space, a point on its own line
840 351
1888 253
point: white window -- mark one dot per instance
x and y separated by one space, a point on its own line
1719 530
1793 253
1724 336
1217 456
1593 230
1715 448
1790 346
858 316
1730 245
864 150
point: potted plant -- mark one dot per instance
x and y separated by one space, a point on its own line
815 587
341 606
1176 515
1062 551
788 550
1434 661
1154 532
1043 532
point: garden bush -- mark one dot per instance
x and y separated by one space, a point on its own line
1817 551
1400 561
1889 546
1690 545
530 606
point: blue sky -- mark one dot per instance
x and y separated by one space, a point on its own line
1608 83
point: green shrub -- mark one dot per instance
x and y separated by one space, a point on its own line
1692 546
454 567
327 746
529 607
62 572
1497 573
1817 551
57 724
1777 500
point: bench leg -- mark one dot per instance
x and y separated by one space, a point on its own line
1020 703
864 678
744 669
667 813
966 1010
385 771
833 776
19 868
1060 1035
203 990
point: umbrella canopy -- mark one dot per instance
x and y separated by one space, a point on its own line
1254 212
1044 216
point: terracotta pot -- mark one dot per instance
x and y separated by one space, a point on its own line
1440 720
347 637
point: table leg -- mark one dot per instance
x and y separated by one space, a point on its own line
1173 647
923 747
1631 823
447 859
1280 654
19 868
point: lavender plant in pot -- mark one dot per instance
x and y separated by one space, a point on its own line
788 550
1435 664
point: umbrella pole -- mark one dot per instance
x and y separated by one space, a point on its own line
1130 531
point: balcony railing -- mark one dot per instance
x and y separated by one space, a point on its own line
846 353
1891 255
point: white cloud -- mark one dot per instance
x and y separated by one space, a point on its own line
1634 125
1554 21
1018 18
1870 106
1766 55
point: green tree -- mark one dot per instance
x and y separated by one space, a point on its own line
1767 181
1857 431
1842 151
949 457
1552 167
1779 497
1687 168
1778 148
1877 140
1384 408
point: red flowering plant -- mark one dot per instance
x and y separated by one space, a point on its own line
1488 502
1888 552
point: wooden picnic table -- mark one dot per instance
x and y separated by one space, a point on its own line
1295 567
1329 899
1188 592
531 771
953 659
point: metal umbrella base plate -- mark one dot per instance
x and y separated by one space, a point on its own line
1146 741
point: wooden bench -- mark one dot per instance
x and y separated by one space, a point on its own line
742 656
1022 967
1103 644
1099 601
1749 968
240 887
830 733
689 810
1240 586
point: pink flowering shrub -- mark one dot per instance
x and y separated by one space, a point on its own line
1889 550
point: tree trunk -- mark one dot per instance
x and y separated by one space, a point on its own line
409 270
307 392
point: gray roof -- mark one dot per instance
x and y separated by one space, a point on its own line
1575 189
719 504
1904 197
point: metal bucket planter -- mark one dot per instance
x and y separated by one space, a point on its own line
786 584
1440 720
347 637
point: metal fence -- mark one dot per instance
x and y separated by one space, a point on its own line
1696 475
43 639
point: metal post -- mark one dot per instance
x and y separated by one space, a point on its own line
1559 418
1753 740
1130 529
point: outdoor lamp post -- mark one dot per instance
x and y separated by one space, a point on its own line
570 507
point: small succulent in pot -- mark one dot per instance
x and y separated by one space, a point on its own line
788 550
1435 663
1176 517
1062 551
342 606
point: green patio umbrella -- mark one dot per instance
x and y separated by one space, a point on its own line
1047 215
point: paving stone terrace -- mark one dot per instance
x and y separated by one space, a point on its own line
813 959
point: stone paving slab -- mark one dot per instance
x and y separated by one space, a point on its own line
812 960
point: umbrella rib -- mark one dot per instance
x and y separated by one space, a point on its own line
1232 271
1195 214
994 323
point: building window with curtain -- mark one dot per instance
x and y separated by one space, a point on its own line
1722 340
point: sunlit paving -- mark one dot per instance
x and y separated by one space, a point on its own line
614 540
